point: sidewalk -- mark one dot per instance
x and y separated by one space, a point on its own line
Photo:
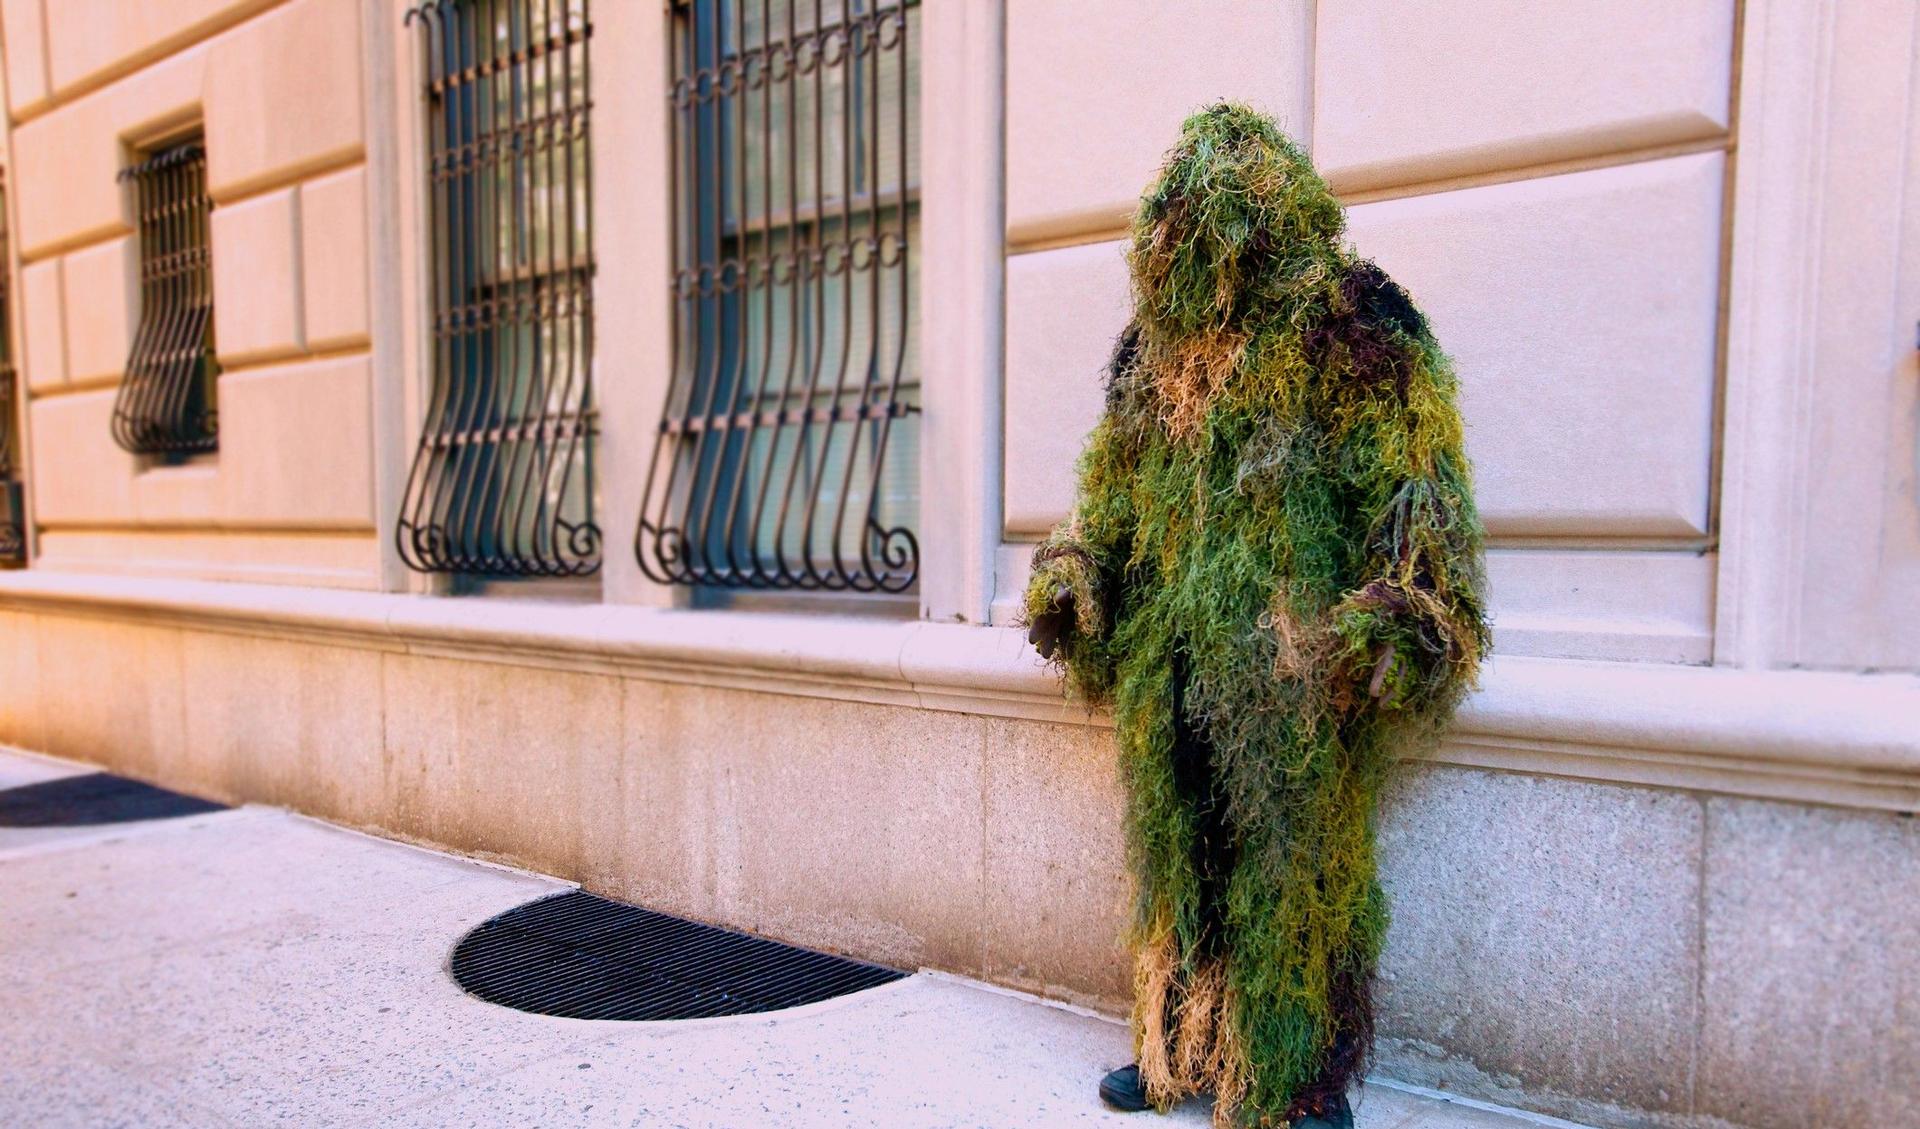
252 967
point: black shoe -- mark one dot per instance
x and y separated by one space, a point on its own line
1123 1090
1339 1115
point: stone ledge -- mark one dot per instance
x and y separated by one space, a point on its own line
1810 736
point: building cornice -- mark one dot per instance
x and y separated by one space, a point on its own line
1810 736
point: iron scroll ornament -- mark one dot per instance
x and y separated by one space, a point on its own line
794 207
502 478
166 404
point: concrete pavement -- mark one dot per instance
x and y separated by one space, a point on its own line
253 967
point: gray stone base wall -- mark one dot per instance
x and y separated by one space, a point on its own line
1618 955
1634 957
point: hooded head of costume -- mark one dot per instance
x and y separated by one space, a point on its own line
1237 245
1237 221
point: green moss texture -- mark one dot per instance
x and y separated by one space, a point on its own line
1274 558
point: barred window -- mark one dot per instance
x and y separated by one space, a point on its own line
787 455
167 400
13 530
502 483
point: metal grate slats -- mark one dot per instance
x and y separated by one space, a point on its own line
585 957
166 403
794 375
502 480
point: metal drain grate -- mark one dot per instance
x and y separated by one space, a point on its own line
94 797
585 957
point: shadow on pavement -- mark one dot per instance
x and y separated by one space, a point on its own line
94 798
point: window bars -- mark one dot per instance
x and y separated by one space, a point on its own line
166 404
13 532
795 160
502 480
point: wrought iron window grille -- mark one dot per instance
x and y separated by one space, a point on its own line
13 531
795 157
502 483
168 398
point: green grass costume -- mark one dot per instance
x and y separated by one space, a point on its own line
1273 576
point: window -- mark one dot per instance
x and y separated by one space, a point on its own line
166 405
502 483
787 456
13 531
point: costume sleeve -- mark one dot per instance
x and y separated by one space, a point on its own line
1414 631
1085 559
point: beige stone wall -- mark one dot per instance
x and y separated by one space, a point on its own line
1547 183
1824 487
277 88
1671 246
1660 414
1689 379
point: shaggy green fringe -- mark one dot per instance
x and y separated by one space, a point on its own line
1279 495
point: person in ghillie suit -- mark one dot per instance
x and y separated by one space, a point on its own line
1273 576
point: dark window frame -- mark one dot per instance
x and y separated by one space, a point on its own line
13 525
167 405
769 468
503 477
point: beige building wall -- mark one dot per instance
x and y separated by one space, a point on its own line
277 90
1663 873
1566 238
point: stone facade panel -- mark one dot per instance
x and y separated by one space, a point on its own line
842 825
44 350
1545 937
102 305
296 445
313 558
186 495
86 42
1412 92
1811 993
546 744
265 722
257 309
20 715
79 475
112 694
276 102
1586 380
1059 895
1096 90
23 23
333 259
67 160
1064 309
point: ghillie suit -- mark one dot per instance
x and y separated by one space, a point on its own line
1273 576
